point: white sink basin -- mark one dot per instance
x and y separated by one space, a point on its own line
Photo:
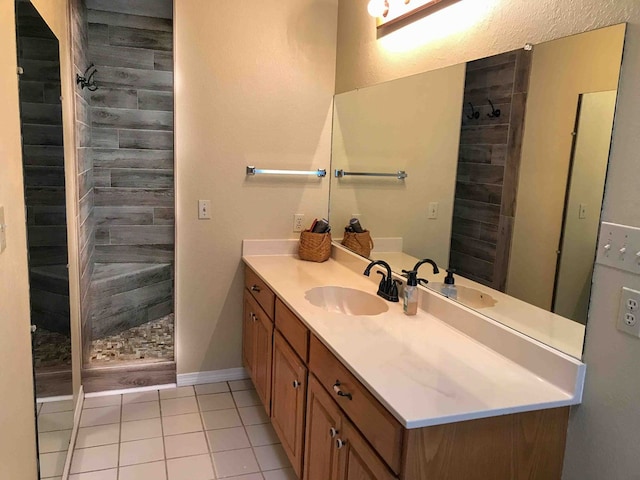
348 301
468 296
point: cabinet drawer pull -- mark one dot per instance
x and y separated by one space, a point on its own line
255 288
339 392
333 432
296 384
340 443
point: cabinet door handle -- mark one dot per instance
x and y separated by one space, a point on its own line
296 384
253 316
340 443
333 432
255 288
339 392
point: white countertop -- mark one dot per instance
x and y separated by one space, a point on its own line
424 371
559 332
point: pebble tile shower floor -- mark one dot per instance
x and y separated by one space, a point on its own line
151 342
206 432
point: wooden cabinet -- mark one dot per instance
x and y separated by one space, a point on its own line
257 348
288 400
332 428
335 450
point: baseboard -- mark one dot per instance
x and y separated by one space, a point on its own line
77 412
212 376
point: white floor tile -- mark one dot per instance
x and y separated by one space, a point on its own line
286 474
221 419
111 474
208 388
140 411
141 451
99 435
177 424
56 441
50 422
140 397
52 464
178 406
262 434
141 429
92 417
215 401
241 385
186 445
227 439
145 471
234 463
55 407
178 392
246 398
271 457
253 415
105 401
95 458
190 468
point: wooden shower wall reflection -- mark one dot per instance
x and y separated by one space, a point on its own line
488 165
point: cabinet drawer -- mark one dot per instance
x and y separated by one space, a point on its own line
260 291
296 333
377 425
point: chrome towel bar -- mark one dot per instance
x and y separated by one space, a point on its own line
400 174
321 172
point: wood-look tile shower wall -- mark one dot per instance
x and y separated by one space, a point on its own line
132 130
488 166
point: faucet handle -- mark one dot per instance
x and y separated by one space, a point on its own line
423 281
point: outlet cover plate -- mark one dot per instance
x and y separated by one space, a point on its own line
628 314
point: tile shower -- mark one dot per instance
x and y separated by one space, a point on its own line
125 147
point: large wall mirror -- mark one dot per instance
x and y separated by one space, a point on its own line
506 160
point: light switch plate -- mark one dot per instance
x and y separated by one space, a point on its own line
619 247
204 209
3 231
433 210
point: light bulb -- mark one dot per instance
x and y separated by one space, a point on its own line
377 8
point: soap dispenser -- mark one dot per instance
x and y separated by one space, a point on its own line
410 294
449 288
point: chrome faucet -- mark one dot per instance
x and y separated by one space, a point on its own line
388 288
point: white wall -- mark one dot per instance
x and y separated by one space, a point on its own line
17 422
254 86
603 438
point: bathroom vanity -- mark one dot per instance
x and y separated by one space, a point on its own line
445 394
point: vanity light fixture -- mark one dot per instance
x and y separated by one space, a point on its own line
389 12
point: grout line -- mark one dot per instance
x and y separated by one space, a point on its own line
119 437
164 445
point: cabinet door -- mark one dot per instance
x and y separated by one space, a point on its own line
357 459
288 400
324 424
248 343
263 340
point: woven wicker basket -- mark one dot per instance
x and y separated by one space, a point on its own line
360 243
314 247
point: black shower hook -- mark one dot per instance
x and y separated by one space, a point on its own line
87 80
474 114
495 113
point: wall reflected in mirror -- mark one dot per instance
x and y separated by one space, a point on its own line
506 160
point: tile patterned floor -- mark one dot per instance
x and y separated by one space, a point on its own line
51 350
151 342
213 431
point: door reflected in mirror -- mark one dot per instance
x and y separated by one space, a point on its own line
506 160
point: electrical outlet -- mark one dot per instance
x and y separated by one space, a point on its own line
628 316
298 222
204 209
433 210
